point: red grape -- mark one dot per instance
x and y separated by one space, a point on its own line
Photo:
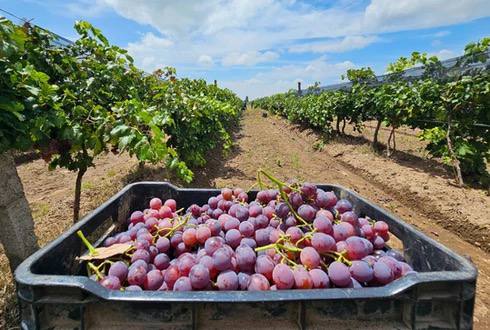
283 277
320 278
258 282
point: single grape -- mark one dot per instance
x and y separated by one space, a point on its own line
136 216
227 280
133 288
176 239
141 254
233 237
242 213
350 217
246 228
307 212
370 260
309 257
151 223
268 212
290 221
212 244
261 221
136 275
181 248
171 275
263 197
322 199
183 284
161 261
203 233
185 264
214 226
361 271
320 278
264 265
165 212
155 203
302 279
380 227
242 197
153 252
172 204
357 247
395 254
262 236
217 213
243 281
343 205
323 225
227 194
199 276
282 210
245 257
295 200
195 210
367 231
139 262
249 241
255 210
213 202
339 274
120 270
258 282
378 243
406 268
153 280
111 282
283 277
295 234
393 264
309 191
189 237
343 230
323 243
275 235
382 273
208 262
231 223
222 259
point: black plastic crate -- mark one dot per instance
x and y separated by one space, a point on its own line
51 296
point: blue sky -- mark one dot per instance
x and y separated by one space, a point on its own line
261 47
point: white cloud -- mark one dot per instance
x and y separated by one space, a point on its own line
205 60
337 46
249 58
389 15
444 54
213 34
86 8
283 78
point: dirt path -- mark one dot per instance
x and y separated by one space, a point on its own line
287 151
269 143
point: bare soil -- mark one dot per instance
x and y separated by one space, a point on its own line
414 188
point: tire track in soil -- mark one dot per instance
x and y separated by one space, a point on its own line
273 144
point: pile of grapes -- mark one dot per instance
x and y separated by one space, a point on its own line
294 237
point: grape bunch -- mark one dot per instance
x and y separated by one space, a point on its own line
295 237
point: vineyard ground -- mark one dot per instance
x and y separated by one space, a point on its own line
415 189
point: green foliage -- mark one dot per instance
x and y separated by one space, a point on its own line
73 103
456 98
